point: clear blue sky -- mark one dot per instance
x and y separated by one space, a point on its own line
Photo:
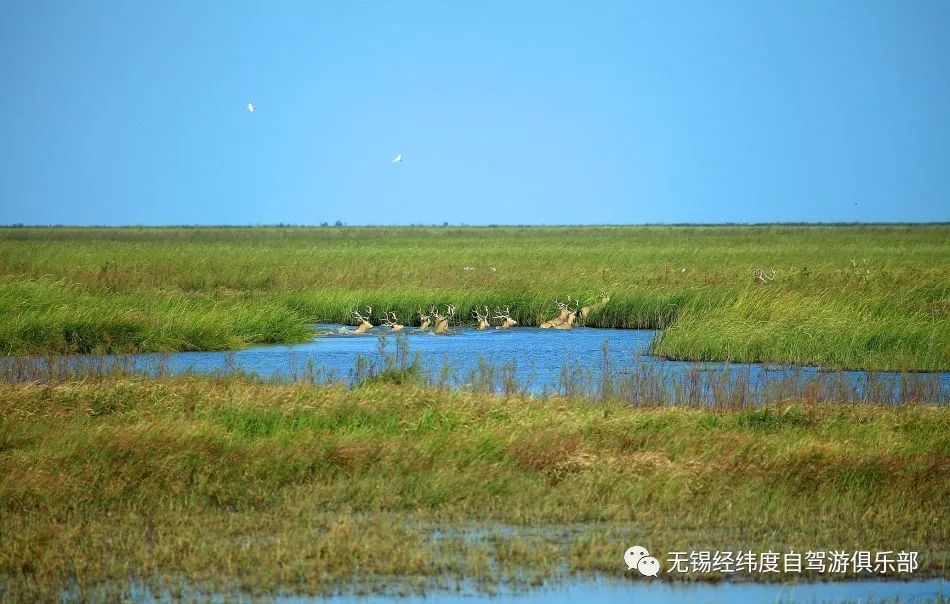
505 112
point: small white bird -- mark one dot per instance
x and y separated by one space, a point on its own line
250 107
398 158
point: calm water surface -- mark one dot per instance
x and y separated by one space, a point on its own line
646 590
672 593
537 359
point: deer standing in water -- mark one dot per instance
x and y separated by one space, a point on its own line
505 317
481 318
569 319
586 310
425 319
563 312
392 322
442 321
363 324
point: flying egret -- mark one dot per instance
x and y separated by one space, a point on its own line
250 107
398 158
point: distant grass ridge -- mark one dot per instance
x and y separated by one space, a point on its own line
870 297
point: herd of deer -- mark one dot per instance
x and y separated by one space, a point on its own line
438 322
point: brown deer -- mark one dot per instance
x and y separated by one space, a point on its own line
505 317
425 320
364 324
442 321
563 312
481 318
570 316
392 322
586 310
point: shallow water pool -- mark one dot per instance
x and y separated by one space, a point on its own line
672 593
581 361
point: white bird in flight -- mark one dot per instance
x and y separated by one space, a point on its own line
250 107
398 158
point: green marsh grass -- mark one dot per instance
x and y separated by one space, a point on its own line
873 297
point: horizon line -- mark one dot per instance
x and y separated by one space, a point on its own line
343 225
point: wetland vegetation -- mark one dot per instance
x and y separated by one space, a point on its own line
224 483
869 297
113 480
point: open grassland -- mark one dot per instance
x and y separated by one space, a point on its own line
223 484
873 297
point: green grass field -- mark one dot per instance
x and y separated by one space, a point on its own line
222 484
875 297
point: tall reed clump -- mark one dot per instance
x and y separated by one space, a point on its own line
827 328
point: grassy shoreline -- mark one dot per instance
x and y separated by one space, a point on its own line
861 297
223 483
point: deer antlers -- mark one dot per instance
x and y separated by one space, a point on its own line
566 315
482 319
442 321
425 320
439 321
764 277
391 321
369 313
506 320
497 314
364 322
